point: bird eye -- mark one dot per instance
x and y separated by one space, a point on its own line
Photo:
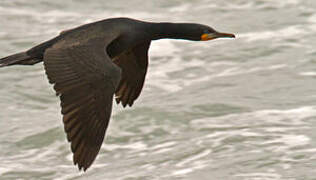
206 31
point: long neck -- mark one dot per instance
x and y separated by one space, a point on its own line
168 30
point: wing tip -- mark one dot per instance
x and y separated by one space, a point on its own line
124 104
81 167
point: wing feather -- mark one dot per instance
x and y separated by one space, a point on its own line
134 67
86 79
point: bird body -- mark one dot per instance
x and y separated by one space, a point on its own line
91 63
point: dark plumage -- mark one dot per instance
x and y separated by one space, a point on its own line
91 63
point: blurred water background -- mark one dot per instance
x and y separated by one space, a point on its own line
242 109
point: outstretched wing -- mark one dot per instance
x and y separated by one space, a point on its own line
85 78
134 67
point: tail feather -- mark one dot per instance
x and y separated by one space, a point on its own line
20 58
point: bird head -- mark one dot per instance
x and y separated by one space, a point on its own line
187 31
207 33
199 32
193 32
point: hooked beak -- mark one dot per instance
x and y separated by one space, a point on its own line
210 36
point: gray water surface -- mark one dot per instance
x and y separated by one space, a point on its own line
242 109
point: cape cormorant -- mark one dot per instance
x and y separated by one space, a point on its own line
91 63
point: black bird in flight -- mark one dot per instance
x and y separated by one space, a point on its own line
91 63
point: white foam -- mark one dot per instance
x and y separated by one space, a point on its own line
290 140
194 158
132 146
69 176
288 32
39 15
158 72
4 170
182 171
253 4
166 58
181 8
163 145
296 114
310 73
3 34
281 124
194 166
244 70
277 66
280 4
233 6
261 175
164 150
312 18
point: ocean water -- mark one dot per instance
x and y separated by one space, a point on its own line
228 109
